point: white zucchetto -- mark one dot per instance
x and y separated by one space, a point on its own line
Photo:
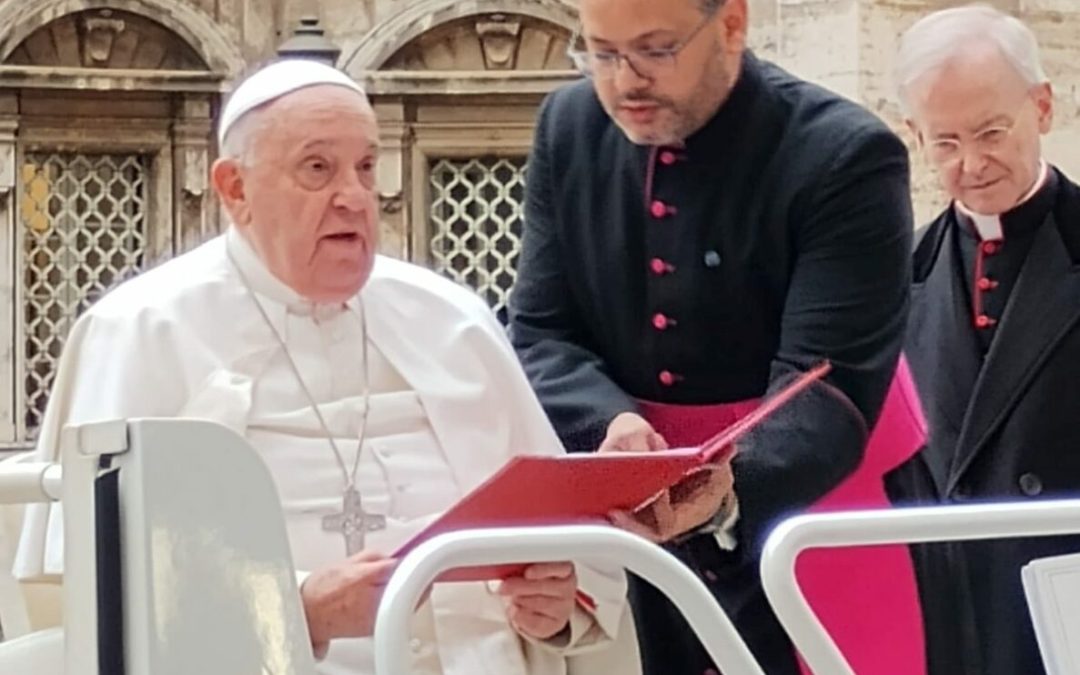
276 80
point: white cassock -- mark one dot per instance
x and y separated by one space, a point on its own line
449 405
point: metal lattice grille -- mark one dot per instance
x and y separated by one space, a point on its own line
83 219
476 218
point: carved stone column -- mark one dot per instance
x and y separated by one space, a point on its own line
8 259
395 227
195 217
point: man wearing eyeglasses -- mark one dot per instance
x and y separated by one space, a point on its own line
701 227
994 339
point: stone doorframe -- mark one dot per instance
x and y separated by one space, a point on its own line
20 19
176 136
451 112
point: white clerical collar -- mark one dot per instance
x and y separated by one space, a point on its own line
989 226
263 281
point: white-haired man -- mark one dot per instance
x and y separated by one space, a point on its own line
377 392
994 337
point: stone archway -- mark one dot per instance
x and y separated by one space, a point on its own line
107 39
492 43
192 25
457 93
375 48
105 140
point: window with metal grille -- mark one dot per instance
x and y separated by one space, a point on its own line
83 219
475 216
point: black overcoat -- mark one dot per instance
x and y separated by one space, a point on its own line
1003 426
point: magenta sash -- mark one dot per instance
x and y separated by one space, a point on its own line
690 425
865 596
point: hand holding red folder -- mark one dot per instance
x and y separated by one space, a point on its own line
584 488
541 600
688 504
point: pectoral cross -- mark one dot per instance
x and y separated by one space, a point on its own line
353 522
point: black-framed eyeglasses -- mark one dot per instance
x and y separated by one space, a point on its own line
647 63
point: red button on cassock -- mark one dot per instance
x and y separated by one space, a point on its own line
667 378
658 209
667 158
661 322
989 247
987 284
983 321
659 266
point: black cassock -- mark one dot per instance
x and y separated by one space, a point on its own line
710 273
1002 399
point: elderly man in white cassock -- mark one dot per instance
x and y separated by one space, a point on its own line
377 392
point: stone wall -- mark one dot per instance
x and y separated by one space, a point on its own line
405 49
453 81
848 46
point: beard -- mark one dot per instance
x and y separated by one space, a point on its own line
674 121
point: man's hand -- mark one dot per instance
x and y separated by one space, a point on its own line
341 600
539 602
685 506
629 432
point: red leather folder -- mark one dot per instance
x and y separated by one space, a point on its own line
583 488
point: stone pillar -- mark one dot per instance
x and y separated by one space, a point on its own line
394 214
9 124
195 217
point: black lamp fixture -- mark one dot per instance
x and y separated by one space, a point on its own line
309 41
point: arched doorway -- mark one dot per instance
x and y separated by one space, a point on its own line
457 105
105 136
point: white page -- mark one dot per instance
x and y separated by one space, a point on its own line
1052 586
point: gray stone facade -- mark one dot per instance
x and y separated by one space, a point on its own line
107 109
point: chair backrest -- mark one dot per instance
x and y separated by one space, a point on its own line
207 578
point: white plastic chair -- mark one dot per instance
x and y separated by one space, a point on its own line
20 479
891 526
37 653
208 583
549 544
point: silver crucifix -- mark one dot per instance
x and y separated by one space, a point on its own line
353 522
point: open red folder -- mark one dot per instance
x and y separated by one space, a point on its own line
583 488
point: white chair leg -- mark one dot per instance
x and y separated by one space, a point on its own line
14 618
